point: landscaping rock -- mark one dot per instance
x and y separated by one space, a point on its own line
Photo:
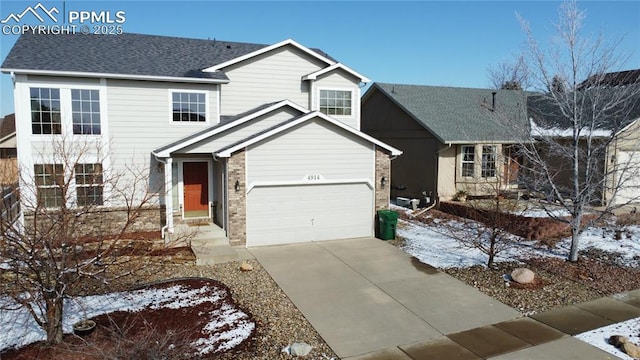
299 349
522 275
618 340
246 266
631 349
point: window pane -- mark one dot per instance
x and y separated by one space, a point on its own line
45 109
86 111
189 107
335 102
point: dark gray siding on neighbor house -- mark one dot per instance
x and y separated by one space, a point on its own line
415 169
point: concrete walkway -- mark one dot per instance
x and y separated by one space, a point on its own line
210 244
364 295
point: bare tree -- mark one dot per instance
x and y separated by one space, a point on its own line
509 75
67 237
578 119
483 224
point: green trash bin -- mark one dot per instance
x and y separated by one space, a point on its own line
387 221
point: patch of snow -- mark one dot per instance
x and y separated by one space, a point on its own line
17 327
431 245
599 337
542 213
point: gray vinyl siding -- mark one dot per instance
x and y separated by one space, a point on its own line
273 76
140 116
241 132
314 147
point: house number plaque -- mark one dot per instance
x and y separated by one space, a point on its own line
313 177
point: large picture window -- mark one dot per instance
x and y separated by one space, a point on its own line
189 107
85 108
45 111
468 160
49 179
489 157
89 184
335 102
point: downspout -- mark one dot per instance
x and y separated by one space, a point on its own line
168 199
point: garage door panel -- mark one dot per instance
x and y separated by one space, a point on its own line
303 213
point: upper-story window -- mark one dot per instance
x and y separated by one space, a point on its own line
45 111
468 160
85 107
335 102
189 107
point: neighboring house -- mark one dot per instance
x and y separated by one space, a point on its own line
453 139
263 140
8 137
613 130
461 139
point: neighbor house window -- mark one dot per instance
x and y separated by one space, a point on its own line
89 184
468 160
85 109
49 179
335 102
489 161
45 111
189 107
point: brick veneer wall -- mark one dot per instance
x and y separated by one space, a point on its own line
383 168
109 221
237 200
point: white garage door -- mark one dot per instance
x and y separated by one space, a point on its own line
303 213
629 169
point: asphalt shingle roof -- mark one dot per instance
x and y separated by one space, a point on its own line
129 54
617 107
7 125
462 115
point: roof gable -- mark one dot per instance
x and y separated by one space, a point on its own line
334 67
460 115
265 49
165 151
277 129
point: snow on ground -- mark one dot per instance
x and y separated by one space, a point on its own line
17 327
599 337
431 245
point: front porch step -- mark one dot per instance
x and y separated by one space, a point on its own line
210 244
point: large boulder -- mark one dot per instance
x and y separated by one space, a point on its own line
522 275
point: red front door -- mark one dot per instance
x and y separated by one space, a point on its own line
196 189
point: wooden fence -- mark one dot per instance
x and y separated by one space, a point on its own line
8 171
10 205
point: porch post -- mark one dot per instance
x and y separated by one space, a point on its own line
168 194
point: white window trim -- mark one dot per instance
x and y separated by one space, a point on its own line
462 162
336 88
207 104
495 161
66 112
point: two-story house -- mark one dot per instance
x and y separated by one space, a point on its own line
263 140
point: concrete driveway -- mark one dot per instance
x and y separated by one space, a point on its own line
365 295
